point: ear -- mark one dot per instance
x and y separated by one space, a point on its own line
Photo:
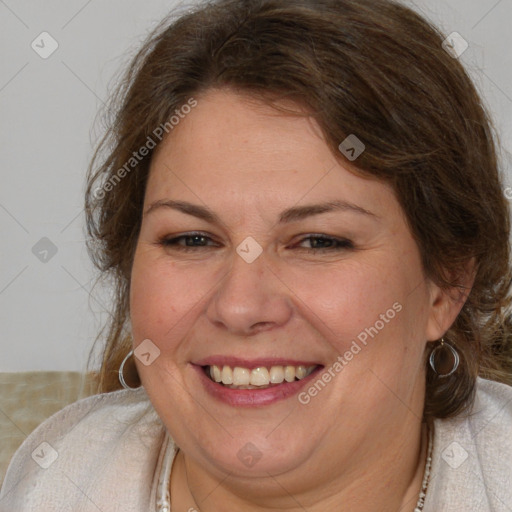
446 303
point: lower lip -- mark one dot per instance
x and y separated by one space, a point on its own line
253 397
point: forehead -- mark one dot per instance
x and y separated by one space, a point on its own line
227 127
231 146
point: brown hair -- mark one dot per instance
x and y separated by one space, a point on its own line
373 68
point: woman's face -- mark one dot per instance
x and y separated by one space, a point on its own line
259 250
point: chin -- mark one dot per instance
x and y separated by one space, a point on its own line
257 454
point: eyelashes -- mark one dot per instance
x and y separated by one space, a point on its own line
327 243
197 241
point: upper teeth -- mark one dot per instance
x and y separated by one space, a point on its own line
260 376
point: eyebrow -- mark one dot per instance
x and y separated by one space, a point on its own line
293 214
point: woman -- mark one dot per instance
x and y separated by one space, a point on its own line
301 208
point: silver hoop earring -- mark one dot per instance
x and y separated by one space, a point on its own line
454 354
121 369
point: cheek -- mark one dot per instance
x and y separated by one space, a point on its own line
164 296
373 319
342 300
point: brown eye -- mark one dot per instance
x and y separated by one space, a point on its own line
322 242
188 241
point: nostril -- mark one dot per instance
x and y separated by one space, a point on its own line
260 326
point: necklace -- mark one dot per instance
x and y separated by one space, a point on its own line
163 499
163 503
426 475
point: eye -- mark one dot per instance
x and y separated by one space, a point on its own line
188 242
325 243
197 241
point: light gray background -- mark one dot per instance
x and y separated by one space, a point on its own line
48 107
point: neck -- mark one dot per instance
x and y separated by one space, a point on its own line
392 483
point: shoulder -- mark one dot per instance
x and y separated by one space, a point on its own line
489 423
99 449
472 455
493 395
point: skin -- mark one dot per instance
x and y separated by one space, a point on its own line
359 442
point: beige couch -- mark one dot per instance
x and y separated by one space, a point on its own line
28 398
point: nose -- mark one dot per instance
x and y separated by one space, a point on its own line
249 299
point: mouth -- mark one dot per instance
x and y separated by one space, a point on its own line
261 377
249 383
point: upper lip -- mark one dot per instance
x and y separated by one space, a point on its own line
250 364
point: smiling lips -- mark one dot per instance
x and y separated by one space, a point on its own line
257 378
